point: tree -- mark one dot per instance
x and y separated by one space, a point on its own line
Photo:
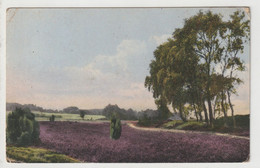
163 81
71 109
82 114
184 70
238 31
201 35
123 114
52 118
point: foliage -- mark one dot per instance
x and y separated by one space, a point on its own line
93 144
122 114
52 118
184 72
242 121
145 120
72 110
22 128
115 128
82 114
37 155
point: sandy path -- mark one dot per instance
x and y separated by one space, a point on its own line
184 131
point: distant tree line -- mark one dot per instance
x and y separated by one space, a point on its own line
129 114
32 107
71 109
123 114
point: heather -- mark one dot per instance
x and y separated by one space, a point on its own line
90 142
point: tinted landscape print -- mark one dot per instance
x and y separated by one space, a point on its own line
127 85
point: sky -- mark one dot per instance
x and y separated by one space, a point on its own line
92 57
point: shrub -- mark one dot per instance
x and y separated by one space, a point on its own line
148 121
36 132
22 128
24 139
115 128
52 118
144 121
241 121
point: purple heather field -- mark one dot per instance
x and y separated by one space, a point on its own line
90 142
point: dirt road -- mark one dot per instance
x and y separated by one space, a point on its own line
184 131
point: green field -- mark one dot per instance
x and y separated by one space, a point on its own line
44 116
37 155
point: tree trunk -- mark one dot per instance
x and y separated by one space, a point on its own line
205 113
208 91
214 108
197 119
209 104
224 109
200 115
210 112
181 114
195 111
232 110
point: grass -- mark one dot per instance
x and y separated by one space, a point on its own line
172 124
242 125
37 155
191 125
44 116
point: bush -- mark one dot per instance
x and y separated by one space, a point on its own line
115 128
24 139
52 118
148 121
241 121
36 132
22 128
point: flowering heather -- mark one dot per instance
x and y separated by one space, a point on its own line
90 142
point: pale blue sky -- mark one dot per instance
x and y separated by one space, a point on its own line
89 57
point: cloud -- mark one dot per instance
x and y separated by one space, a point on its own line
103 80
160 39
109 69
134 90
126 50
